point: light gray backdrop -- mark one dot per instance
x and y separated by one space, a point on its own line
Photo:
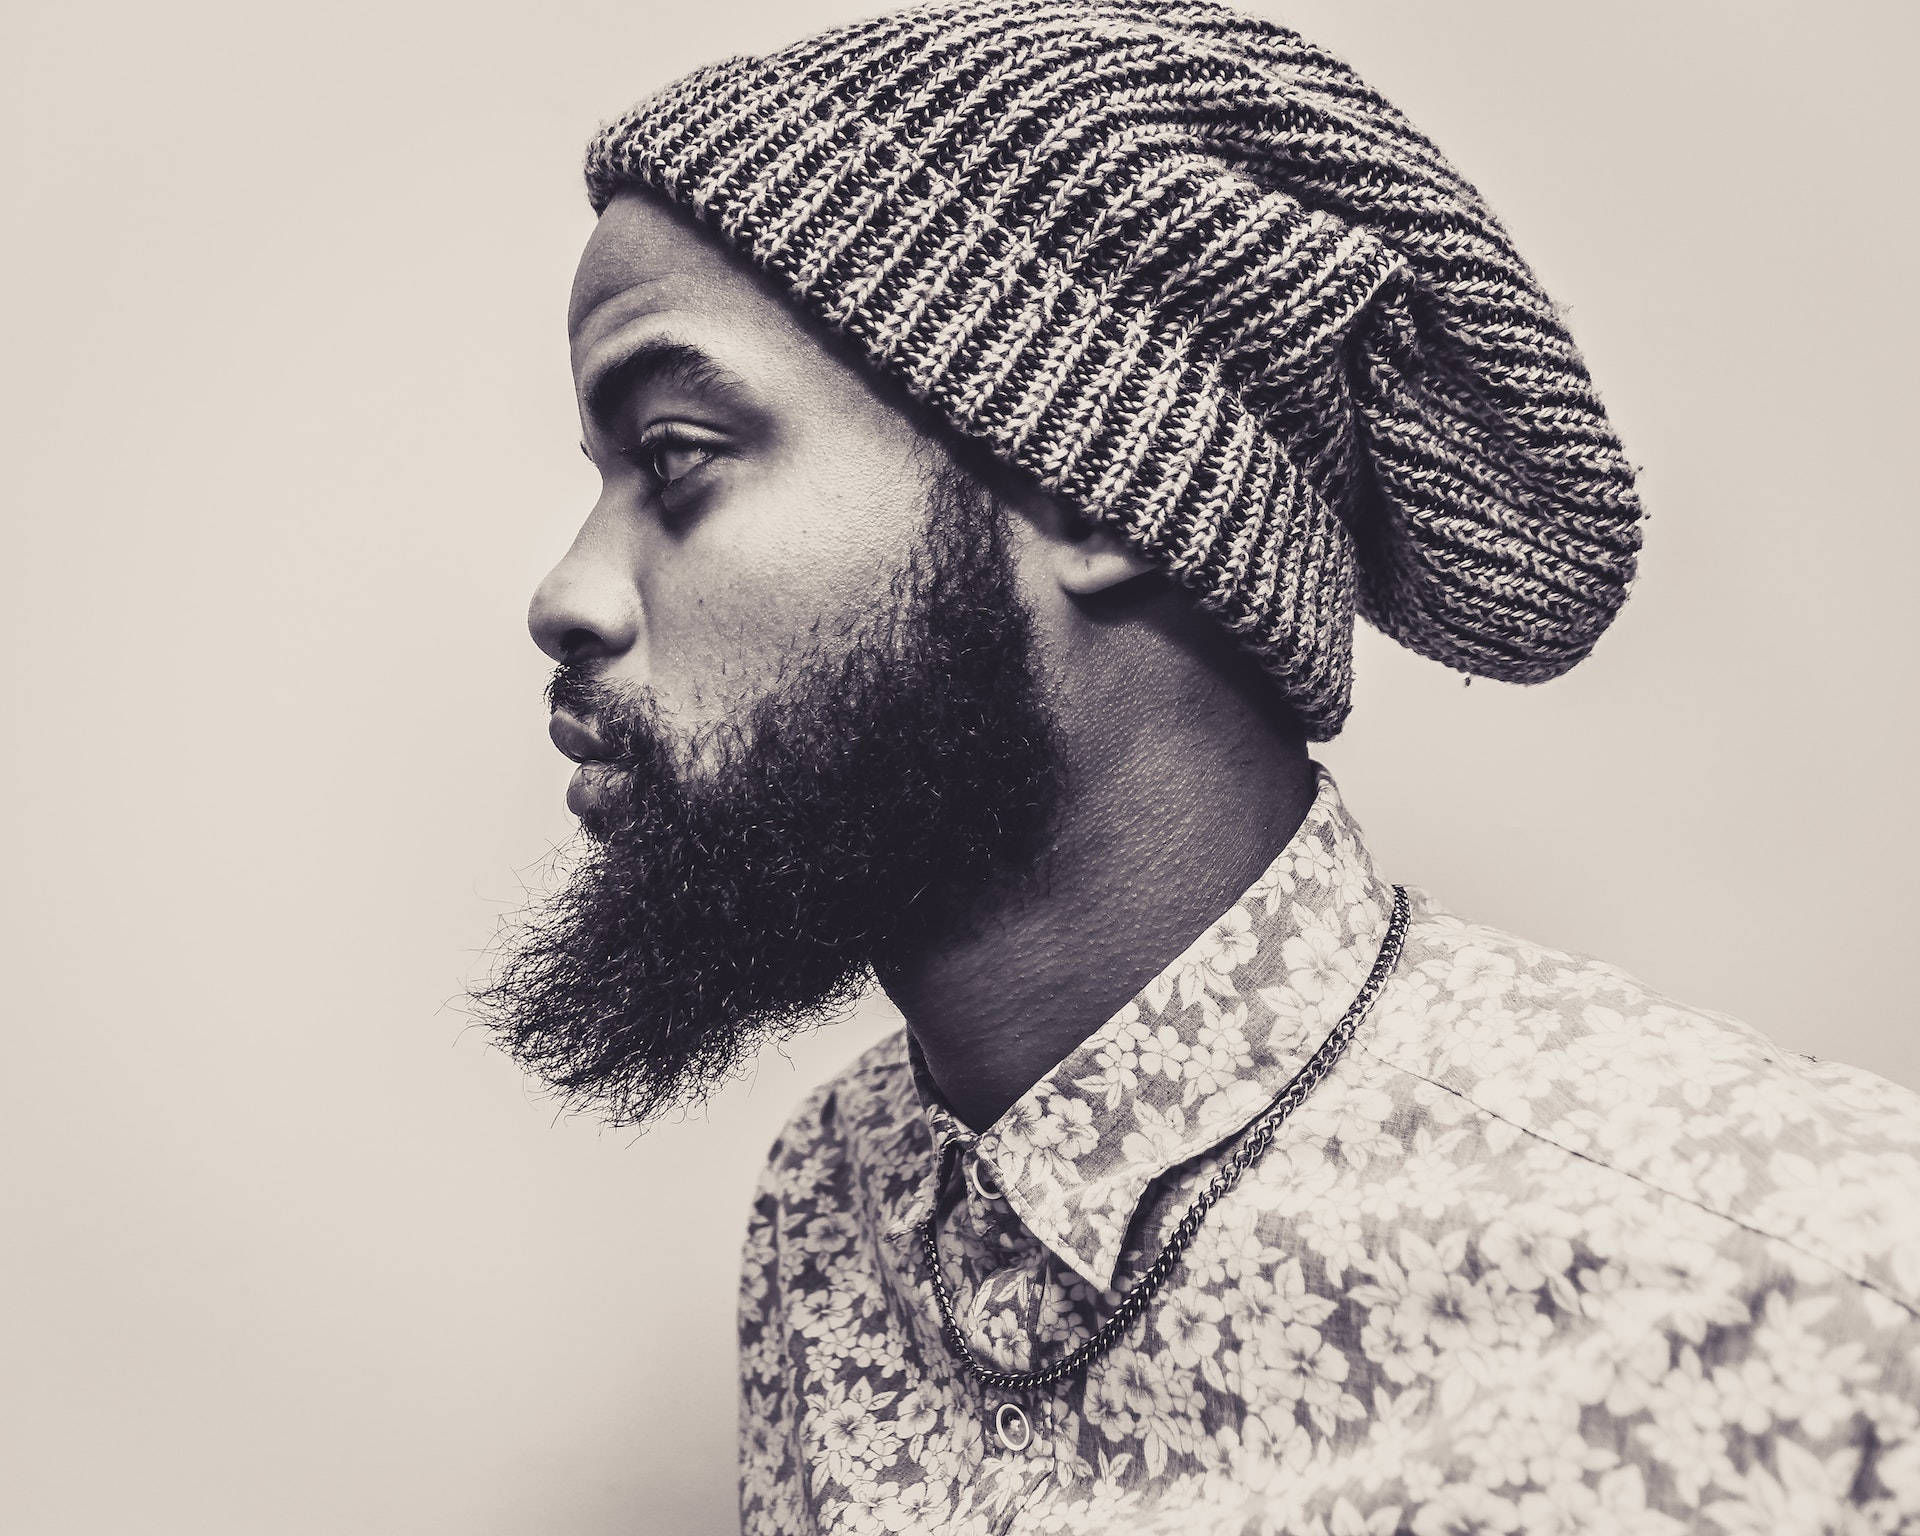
290 441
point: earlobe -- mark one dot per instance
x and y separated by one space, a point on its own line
1084 558
1097 561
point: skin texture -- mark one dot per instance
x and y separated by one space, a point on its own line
757 501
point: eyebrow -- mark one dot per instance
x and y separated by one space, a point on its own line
661 360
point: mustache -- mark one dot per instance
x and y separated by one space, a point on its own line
575 689
628 723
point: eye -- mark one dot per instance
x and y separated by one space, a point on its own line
667 457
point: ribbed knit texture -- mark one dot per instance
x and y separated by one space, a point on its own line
1206 287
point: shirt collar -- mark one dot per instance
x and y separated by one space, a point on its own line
1193 1057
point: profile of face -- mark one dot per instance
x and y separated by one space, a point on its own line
754 488
797 662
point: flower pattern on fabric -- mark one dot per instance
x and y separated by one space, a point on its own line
1544 1253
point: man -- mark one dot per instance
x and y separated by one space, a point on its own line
1002 410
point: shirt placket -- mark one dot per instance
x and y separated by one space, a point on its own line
998 1272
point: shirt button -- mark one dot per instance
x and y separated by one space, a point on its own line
1012 1427
981 1179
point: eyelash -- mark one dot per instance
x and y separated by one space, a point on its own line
646 455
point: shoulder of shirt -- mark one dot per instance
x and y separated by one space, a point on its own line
1819 1158
872 1093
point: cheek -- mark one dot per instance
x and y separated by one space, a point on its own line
779 570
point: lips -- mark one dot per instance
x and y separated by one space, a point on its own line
587 790
577 739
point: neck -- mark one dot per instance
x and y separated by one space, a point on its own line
1156 843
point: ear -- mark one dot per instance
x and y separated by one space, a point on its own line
1097 560
1083 557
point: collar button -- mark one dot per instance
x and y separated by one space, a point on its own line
1012 1428
980 1179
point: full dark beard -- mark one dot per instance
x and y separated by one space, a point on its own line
877 801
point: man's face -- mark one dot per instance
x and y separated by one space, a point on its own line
795 662
755 491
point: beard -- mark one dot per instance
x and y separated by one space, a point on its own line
900 779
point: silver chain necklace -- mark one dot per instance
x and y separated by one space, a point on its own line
1253 1145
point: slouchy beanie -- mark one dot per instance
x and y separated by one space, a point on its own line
1205 287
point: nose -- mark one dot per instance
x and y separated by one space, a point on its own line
588 607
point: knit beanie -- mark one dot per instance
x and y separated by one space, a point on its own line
1205 287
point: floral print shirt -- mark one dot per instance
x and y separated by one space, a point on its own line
1545 1252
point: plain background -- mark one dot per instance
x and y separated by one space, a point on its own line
288 1248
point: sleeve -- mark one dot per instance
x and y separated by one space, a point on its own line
766 1412
770 1489
1886 1488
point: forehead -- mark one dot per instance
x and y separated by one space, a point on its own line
646 259
649 271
